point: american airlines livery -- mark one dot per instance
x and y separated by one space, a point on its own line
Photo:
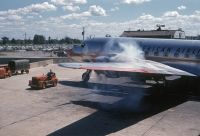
149 58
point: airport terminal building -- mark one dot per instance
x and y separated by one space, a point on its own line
166 34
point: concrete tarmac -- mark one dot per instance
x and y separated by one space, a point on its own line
102 107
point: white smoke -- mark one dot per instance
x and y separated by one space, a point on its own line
127 52
130 52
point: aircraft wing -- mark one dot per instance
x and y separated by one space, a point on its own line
137 66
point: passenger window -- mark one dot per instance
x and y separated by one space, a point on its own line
143 48
183 50
176 54
178 50
188 50
156 53
187 54
149 48
163 49
198 53
167 51
194 51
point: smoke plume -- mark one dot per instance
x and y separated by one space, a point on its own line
129 53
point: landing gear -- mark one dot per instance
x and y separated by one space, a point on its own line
86 76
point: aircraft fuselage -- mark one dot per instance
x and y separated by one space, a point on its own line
182 54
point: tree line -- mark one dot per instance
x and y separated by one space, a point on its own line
39 39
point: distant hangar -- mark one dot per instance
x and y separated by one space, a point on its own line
158 33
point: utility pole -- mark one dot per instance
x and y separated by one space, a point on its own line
83 34
25 38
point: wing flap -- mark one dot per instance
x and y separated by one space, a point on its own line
137 66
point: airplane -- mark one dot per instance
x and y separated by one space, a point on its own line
148 58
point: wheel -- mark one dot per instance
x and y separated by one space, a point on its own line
9 74
33 87
27 71
54 83
85 77
22 71
43 85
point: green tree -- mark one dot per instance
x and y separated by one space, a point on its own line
38 39
13 41
198 37
29 41
76 41
68 40
5 40
61 41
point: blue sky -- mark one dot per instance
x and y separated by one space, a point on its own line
60 18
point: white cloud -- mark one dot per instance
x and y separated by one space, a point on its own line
181 7
94 10
171 14
76 15
97 11
68 2
114 9
14 17
146 17
69 5
30 17
34 8
71 8
2 18
197 12
11 18
135 1
58 2
172 19
79 1
31 9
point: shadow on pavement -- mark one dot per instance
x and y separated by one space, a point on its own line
110 118
104 89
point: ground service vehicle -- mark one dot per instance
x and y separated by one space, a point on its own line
19 65
43 81
5 72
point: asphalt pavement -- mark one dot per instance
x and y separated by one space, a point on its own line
101 107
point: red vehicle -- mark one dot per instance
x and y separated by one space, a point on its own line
43 81
5 72
14 67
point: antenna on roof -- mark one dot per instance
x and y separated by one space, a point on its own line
159 27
